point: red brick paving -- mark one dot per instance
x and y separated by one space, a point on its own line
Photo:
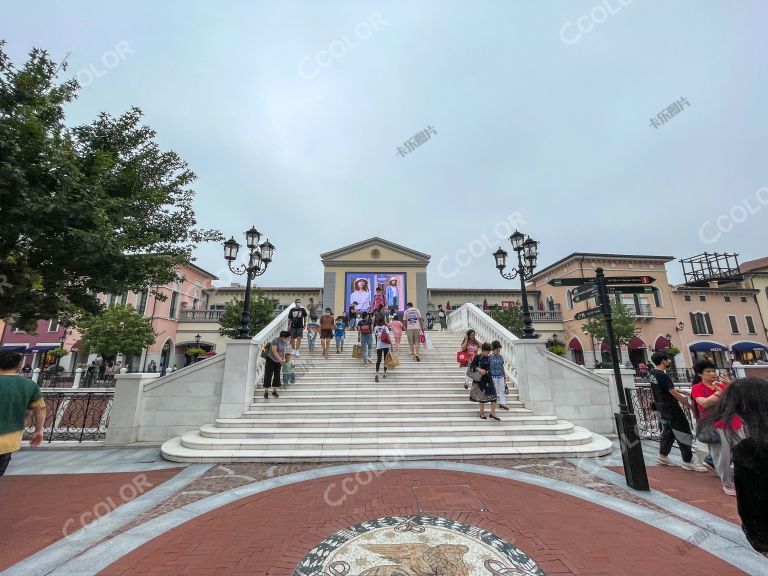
702 490
35 510
268 534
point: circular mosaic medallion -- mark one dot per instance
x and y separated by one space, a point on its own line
416 546
375 253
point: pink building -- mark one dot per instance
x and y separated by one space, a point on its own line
35 347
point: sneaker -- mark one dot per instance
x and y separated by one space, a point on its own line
376 379
694 467
296 353
266 394
664 461
729 490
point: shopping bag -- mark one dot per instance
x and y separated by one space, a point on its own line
422 337
462 357
357 351
393 360
427 341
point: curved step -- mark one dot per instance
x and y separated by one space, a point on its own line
521 416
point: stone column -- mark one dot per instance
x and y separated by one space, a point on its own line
36 375
239 378
78 377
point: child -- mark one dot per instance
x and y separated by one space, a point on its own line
397 328
313 329
288 373
497 373
339 332
484 391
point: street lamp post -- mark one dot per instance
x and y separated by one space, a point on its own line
62 340
259 257
527 255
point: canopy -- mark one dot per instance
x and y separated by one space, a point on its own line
636 344
574 344
13 347
748 346
76 346
707 347
44 348
662 343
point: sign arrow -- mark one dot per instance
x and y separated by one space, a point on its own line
584 294
571 281
588 313
631 290
610 280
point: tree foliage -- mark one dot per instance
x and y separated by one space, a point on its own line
117 329
262 312
624 325
511 318
84 209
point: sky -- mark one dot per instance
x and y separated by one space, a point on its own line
552 116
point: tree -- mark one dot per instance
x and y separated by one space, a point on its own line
511 318
119 328
624 325
84 210
262 312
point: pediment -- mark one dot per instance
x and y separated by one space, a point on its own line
374 250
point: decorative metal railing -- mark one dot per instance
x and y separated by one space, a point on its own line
640 402
73 415
57 380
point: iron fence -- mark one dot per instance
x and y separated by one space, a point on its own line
640 400
73 415
57 380
96 381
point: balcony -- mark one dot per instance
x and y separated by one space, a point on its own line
546 316
642 310
200 315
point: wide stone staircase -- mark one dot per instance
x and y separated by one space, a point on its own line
336 412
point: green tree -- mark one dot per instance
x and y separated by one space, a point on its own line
85 209
262 312
624 325
119 328
511 318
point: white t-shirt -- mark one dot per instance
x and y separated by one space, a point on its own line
379 344
412 317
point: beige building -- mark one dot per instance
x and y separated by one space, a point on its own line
756 277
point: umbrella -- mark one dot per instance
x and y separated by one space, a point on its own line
485 303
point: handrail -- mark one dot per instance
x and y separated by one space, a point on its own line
267 334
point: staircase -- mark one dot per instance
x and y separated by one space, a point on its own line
336 412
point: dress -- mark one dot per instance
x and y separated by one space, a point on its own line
472 347
484 390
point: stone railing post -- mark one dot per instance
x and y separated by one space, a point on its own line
78 377
36 375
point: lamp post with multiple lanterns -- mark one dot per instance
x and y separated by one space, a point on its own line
527 254
259 257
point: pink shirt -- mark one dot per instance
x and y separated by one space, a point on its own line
397 328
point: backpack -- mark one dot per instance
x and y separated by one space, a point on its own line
384 336
365 327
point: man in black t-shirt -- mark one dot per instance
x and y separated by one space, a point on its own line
674 424
297 321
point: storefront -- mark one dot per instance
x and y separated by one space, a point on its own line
713 351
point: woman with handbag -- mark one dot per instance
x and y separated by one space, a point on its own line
483 389
274 358
383 343
365 337
470 345
707 394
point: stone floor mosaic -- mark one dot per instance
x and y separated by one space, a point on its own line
415 546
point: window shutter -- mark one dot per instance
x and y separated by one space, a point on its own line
694 324
709 324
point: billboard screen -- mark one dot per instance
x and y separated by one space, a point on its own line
361 289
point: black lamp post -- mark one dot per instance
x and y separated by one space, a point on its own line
527 255
259 257
197 340
61 345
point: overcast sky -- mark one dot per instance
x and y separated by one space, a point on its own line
291 114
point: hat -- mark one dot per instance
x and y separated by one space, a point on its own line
393 278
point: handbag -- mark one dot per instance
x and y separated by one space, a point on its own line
462 357
473 375
708 435
357 351
265 351
422 337
392 361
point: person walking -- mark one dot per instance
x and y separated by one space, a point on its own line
365 337
483 390
383 343
471 344
707 394
274 361
289 374
326 332
497 373
442 318
17 395
746 401
313 329
674 424
312 309
339 331
297 321
397 329
352 316
414 324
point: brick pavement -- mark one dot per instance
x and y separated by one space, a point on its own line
269 533
37 510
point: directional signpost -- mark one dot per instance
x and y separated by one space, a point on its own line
599 288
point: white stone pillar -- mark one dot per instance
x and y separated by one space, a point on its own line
36 375
78 378
239 378
125 417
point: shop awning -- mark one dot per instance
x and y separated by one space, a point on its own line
43 348
748 346
636 344
707 347
76 346
662 343
574 344
13 347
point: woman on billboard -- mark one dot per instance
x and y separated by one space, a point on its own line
392 294
361 295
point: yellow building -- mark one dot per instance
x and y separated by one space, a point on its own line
756 277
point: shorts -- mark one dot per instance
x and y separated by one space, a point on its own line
413 336
297 332
326 334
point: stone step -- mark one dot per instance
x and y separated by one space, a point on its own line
518 416
326 406
304 395
174 451
510 427
365 411
195 440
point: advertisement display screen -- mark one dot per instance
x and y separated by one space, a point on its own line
361 289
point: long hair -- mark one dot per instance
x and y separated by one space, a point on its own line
470 331
748 399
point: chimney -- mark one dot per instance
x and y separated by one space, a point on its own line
714 284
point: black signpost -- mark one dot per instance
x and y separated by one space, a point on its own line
626 421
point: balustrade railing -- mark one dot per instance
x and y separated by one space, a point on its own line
200 315
73 415
641 403
57 380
